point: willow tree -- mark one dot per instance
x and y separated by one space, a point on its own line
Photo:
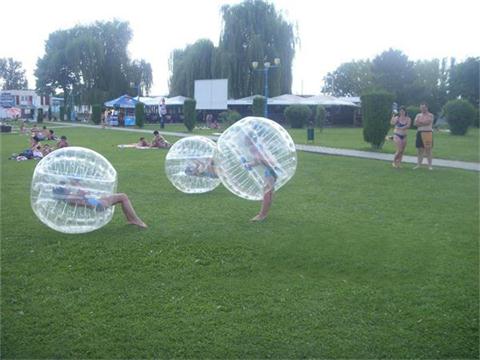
190 64
251 31
254 31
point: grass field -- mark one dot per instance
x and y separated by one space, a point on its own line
356 260
446 146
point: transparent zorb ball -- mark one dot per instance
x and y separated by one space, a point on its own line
255 155
190 167
67 189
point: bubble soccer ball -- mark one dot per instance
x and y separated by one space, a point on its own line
189 165
255 155
67 190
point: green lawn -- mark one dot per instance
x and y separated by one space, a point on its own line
356 260
446 146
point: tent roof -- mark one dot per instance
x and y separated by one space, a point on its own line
124 101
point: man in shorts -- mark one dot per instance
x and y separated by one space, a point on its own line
424 140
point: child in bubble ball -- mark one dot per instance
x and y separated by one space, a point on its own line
270 174
75 196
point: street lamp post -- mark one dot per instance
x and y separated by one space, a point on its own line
137 86
266 68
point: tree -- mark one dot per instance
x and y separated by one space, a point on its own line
258 105
12 75
460 115
140 114
91 63
376 111
464 80
189 114
251 31
394 72
297 115
192 63
349 79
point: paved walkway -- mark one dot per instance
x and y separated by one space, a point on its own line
472 166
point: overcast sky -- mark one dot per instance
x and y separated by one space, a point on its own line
331 31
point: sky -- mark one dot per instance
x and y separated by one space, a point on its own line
331 32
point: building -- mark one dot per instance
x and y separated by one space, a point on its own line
23 103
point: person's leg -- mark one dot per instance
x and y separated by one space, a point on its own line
419 157
398 145
428 152
127 208
402 151
266 203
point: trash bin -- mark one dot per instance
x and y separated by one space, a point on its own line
310 134
5 128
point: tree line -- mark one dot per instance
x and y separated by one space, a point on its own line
91 63
251 31
435 81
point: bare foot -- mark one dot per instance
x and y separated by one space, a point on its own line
430 168
394 165
258 218
138 223
416 167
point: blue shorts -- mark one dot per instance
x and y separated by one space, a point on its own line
95 203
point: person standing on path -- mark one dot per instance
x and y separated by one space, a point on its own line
424 140
162 111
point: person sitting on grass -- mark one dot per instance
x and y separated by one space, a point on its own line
75 196
142 142
159 141
63 142
51 135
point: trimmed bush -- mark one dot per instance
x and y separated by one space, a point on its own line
460 115
258 106
189 114
49 113
320 115
62 113
96 114
297 115
139 114
229 117
376 114
40 115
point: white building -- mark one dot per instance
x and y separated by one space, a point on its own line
23 103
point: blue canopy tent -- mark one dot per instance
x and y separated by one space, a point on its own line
123 102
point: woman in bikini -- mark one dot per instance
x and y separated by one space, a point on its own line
401 123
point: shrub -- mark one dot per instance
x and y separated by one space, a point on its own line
229 117
476 120
460 115
376 114
40 115
62 113
189 113
297 115
68 109
258 106
49 113
96 114
320 114
139 114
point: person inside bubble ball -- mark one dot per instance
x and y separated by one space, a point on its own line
270 174
204 168
73 195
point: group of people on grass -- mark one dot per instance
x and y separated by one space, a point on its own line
158 141
36 149
424 139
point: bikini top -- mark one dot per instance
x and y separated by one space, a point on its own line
400 125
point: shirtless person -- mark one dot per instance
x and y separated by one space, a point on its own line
424 141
